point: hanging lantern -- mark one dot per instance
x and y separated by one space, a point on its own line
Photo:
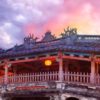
48 62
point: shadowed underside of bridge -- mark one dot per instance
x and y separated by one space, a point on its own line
40 98
31 98
72 98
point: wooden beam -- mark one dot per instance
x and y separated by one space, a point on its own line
50 57
97 59
77 58
33 59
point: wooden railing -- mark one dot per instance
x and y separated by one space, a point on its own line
1 80
34 77
97 79
69 77
77 77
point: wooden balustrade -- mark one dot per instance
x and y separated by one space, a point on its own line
33 77
97 79
77 77
1 80
69 77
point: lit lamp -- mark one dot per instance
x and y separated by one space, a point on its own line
48 62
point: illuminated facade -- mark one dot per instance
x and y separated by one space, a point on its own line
52 68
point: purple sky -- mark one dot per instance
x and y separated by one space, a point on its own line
20 17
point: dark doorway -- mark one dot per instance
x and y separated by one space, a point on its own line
31 98
72 98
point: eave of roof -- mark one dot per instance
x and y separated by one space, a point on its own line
59 44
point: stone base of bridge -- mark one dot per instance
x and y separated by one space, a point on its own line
66 96
69 96
59 91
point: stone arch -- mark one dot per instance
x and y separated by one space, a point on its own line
72 98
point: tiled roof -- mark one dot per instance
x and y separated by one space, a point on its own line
72 43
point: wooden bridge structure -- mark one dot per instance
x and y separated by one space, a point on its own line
74 59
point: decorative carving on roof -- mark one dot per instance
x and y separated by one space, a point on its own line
69 35
48 37
70 41
69 32
18 48
30 41
1 50
15 47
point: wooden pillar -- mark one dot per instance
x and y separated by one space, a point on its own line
97 68
6 73
93 71
14 70
60 67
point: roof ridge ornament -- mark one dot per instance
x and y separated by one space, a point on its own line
30 40
69 32
69 35
48 37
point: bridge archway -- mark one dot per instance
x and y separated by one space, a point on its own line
72 98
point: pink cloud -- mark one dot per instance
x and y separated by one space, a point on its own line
38 16
73 13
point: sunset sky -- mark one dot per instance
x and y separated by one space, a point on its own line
18 18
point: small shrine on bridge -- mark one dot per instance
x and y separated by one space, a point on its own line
51 63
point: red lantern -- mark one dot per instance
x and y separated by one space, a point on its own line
48 62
